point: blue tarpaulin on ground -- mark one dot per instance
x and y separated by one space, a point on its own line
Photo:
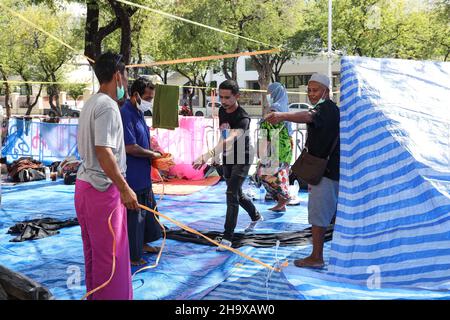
316 285
186 270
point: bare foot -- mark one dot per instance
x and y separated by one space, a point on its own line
309 262
150 249
138 263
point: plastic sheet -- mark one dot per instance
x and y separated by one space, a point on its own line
46 142
186 271
393 215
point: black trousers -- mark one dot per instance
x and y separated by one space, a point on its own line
235 176
142 225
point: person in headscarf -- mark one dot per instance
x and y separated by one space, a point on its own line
275 150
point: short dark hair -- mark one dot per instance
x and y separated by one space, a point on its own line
139 85
230 85
107 64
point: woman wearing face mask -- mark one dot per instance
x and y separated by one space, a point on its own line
142 226
275 150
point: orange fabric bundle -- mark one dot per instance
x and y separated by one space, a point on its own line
164 163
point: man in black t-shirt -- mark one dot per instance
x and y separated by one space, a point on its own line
323 131
237 156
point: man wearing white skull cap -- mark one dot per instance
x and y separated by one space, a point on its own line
322 142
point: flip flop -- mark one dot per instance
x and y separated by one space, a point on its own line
298 263
151 249
278 210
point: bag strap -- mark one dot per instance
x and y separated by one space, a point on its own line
333 147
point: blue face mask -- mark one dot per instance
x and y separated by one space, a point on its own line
120 92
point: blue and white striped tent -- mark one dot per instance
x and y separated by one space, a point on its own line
393 219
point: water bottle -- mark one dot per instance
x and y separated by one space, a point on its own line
47 173
262 193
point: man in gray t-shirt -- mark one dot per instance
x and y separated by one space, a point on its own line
100 124
101 191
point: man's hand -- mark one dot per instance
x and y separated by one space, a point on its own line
156 155
129 198
107 161
216 160
274 117
200 161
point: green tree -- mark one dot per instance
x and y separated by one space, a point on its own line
381 28
440 27
264 21
5 66
33 55
75 90
18 53
152 40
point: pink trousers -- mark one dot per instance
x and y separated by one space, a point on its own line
93 210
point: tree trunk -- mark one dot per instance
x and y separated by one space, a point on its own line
264 66
234 69
226 70
191 97
31 106
54 94
7 92
278 62
91 47
125 44
27 85
7 97
139 53
94 36
166 75
123 16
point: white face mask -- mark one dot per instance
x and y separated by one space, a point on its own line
269 99
144 105
320 100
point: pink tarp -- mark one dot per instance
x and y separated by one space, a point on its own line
186 143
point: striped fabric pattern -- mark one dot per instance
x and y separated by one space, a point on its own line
394 195
250 281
